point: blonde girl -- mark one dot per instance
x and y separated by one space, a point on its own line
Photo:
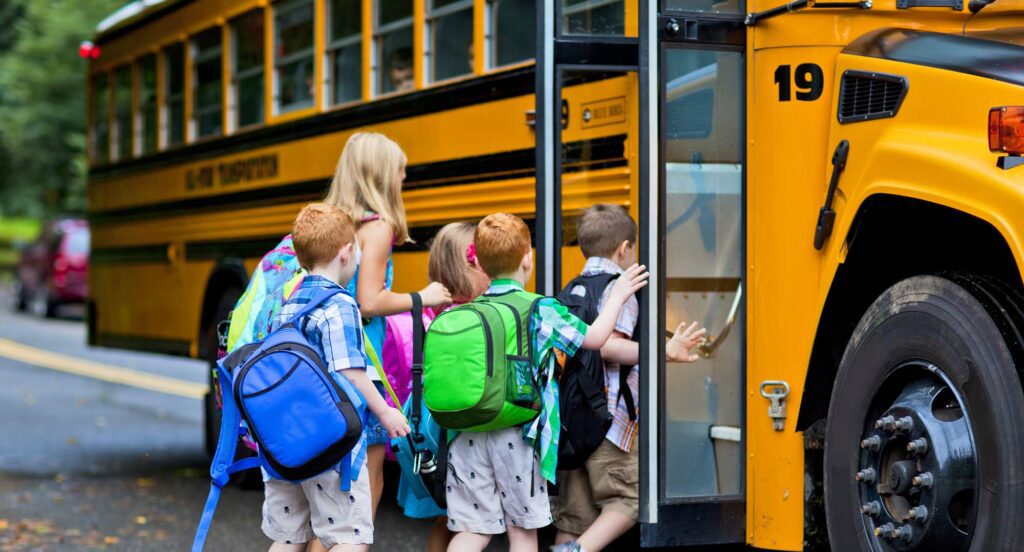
368 186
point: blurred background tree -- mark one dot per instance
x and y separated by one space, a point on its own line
43 103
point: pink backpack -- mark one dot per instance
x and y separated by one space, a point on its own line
397 356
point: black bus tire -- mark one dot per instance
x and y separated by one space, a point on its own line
969 328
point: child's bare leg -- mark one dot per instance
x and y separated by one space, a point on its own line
522 540
375 465
316 546
562 537
440 536
279 547
469 542
350 548
609 526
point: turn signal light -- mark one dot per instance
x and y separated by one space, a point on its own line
1006 129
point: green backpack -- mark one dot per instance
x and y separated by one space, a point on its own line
478 372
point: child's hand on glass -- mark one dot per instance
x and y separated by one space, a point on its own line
683 341
435 295
394 423
628 283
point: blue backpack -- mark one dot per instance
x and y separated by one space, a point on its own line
303 420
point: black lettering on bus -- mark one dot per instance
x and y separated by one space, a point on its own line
809 80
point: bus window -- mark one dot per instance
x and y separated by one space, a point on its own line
293 52
174 95
207 72
101 118
707 6
145 120
345 51
450 42
392 36
123 112
593 17
514 31
247 69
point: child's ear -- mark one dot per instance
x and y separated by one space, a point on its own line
527 262
623 247
346 253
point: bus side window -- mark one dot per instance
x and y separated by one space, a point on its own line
173 115
145 118
392 35
207 102
247 69
123 112
513 33
450 39
293 53
345 50
100 118
594 17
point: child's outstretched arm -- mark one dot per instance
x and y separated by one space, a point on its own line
391 418
374 300
623 350
632 280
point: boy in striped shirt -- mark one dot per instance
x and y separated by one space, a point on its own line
599 502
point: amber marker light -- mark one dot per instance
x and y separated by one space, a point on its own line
1006 129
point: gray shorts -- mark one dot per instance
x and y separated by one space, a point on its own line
490 479
295 513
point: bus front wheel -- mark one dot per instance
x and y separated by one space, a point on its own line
925 432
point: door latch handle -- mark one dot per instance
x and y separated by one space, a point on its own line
776 391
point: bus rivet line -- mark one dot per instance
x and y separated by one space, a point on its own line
918 513
918 446
866 476
872 508
873 443
923 480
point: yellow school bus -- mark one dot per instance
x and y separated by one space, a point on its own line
833 188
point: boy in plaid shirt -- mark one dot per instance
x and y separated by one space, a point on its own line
295 513
492 482
599 502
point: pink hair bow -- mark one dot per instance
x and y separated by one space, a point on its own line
471 254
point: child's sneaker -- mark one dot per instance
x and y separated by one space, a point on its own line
567 547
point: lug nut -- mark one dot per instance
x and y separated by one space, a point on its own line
918 513
923 480
918 446
872 508
904 424
866 476
885 530
873 443
885 422
903 533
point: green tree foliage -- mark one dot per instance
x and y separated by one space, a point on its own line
43 103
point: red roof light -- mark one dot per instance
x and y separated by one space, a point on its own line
88 50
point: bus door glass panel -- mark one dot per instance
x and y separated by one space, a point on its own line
593 17
593 163
703 183
705 6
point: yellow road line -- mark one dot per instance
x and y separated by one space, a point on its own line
104 372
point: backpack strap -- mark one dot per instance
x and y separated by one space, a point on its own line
222 466
417 366
625 393
375 360
318 299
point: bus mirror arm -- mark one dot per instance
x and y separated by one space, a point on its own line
826 216
796 5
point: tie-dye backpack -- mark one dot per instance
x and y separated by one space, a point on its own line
275 279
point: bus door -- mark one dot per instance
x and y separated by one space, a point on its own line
692 436
585 117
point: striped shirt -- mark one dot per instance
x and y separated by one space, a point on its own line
622 432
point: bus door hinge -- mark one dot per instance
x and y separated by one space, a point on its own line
776 391
826 216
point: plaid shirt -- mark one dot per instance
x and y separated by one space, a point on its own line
553 328
622 433
335 329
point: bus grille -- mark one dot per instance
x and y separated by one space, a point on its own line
864 96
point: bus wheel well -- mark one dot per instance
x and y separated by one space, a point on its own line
893 238
228 274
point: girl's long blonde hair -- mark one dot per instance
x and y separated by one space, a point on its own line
366 179
448 263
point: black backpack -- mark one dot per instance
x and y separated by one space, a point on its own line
582 396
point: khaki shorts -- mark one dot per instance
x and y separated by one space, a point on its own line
494 480
295 513
610 480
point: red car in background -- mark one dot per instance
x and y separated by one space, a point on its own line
53 271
